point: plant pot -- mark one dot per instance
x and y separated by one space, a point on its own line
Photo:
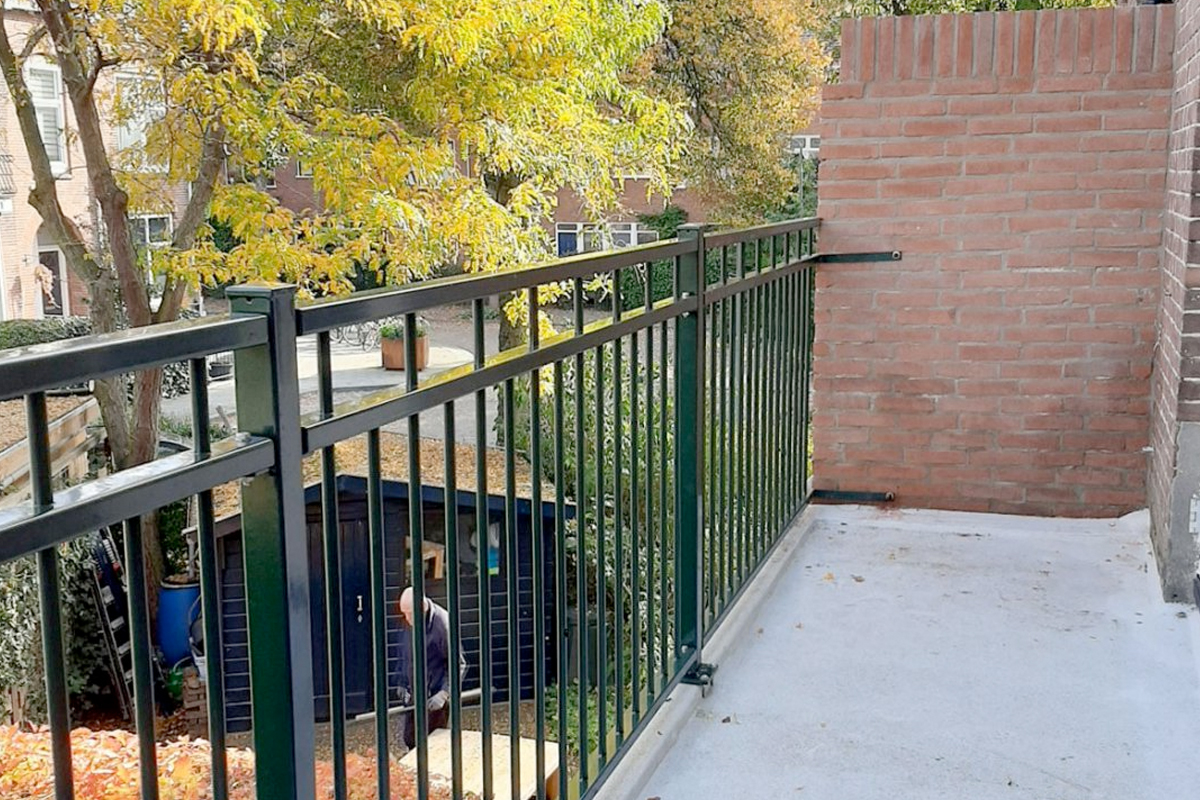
393 353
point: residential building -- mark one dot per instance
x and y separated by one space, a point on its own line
34 279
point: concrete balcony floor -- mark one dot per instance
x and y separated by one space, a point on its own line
918 654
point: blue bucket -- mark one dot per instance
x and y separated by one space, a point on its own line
175 603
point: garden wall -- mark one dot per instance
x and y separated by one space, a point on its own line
1018 160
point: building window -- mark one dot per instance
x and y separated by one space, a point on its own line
45 90
590 237
303 170
805 146
51 279
152 231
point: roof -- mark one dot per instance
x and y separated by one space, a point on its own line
351 459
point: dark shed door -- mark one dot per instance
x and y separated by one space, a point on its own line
356 625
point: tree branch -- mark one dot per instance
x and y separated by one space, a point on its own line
35 38
212 156
113 200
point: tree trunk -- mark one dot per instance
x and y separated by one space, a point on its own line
509 335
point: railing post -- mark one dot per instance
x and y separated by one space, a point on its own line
276 551
689 463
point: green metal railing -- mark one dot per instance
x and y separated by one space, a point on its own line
669 438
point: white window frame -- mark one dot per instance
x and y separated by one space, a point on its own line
606 234
131 135
64 288
302 171
41 104
805 145
144 221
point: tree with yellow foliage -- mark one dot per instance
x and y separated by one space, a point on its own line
749 73
385 100
373 94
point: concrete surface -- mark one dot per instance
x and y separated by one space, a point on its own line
939 655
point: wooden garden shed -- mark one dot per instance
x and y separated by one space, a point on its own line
355 557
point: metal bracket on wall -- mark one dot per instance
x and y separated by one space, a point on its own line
857 258
701 674
835 496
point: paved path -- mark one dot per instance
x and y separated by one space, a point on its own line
358 373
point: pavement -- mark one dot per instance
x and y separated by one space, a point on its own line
358 373
931 655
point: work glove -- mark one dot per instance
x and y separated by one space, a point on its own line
400 696
437 702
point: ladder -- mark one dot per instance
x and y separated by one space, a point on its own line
109 590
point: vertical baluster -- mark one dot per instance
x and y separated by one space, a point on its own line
58 708
664 478
379 611
651 597
709 531
636 527
331 533
416 539
483 557
453 596
206 545
513 574
139 636
581 570
723 423
560 577
601 568
538 551
741 421
805 366
618 349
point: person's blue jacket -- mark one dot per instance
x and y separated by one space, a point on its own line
437 653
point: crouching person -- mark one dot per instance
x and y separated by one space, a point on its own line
436 704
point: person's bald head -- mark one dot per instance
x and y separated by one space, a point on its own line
406 604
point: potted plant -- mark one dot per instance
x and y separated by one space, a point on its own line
391 342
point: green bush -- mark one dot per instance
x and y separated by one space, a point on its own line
20 633
27 332
395 329
181 427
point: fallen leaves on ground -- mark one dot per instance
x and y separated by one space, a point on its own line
106 768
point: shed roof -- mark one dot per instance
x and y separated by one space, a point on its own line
351 459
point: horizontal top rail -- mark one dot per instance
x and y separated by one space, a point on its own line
391 405
372 305
130 493
68 362
738 285
723 238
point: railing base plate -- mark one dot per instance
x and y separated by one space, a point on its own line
701 674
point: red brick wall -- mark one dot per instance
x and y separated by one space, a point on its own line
1018 160
1175 398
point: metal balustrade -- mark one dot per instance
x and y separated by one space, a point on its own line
670 439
